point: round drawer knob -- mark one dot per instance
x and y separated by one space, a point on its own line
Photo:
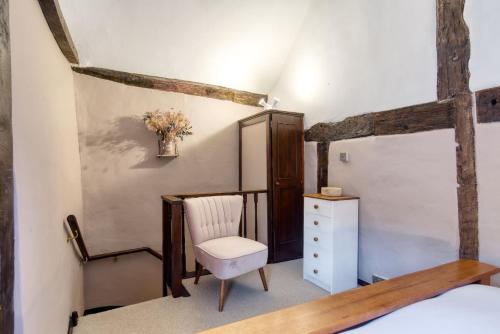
316 206
316 222
316 239
315 255
315 271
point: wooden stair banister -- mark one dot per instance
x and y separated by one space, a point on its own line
172 246
174 241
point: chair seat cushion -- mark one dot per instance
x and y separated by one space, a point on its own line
231 256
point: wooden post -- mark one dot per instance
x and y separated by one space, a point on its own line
172 247
453 49
245 215
322 151
166 247
255 203
6 179
183 248
176 251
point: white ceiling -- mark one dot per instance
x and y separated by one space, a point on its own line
241 44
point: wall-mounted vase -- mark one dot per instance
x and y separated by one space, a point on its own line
167 148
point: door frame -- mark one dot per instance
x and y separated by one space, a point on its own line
266 116
6 178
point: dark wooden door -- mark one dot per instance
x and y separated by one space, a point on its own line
288 185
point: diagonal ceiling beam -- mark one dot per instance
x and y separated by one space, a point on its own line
57 25
174 85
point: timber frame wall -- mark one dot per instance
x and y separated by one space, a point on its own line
453 109
6 179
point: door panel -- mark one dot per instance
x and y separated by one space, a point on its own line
287 152
253 174
287 163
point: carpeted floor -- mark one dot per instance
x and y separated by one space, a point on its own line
245 298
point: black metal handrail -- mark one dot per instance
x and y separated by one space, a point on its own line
86 257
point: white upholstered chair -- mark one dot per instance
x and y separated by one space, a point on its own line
214 225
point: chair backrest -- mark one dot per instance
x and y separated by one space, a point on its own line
213 217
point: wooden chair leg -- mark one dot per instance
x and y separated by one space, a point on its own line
199 270
263 278
222 292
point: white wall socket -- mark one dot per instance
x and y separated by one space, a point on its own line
344 156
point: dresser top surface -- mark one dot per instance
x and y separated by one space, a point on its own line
331 198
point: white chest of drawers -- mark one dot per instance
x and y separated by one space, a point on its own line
331 242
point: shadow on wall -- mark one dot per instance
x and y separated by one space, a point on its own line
391 254
126 134
122 203
118 198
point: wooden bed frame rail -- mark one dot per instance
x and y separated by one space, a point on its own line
355 307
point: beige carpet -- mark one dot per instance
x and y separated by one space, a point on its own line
245 298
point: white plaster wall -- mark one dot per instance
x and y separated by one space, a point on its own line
484 26
488 177
358 56
49 277
239 44
408 208
482 18
123 179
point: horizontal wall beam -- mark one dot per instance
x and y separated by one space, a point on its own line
322 151
488 105
174 85
418 118
57 25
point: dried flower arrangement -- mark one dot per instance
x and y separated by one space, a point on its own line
168 126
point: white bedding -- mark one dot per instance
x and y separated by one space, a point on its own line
473 309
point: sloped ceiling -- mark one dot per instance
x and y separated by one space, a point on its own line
240 44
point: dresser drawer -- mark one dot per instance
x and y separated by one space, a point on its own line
319 207
318 267
319 258
318 223
318 238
